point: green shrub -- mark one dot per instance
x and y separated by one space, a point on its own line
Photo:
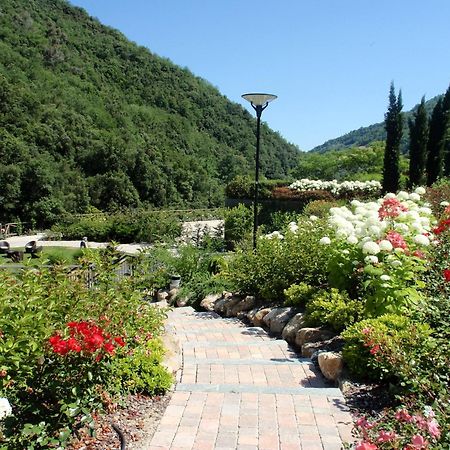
142 370
333 309
244 187
238 225
320 208
368 342
279 263
298 294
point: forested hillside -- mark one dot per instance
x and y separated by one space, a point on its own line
90 119
376 132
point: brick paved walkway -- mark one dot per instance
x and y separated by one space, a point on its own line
241 389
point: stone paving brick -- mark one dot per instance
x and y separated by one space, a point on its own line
242 389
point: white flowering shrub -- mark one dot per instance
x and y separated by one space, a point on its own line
337 188
379 249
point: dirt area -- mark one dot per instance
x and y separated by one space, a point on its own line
138 419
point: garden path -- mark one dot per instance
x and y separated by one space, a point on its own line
241 389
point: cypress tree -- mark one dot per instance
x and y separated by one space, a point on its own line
418 139
446 111
436 144
393 122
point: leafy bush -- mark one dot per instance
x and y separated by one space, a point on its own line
279 263
286 193
333 309
298 294
58 339
438 193
244 187
368 340
141 371
320 208
238 225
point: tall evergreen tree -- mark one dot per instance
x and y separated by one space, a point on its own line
418 139
393 122
446 111
436 144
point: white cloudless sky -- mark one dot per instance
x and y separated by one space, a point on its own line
329 61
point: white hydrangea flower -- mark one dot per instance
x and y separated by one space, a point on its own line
402 195
420 190
325 241
5 408
421 240
385 277
444 204
371 248
395 263
414 197
385 245
293 227
313 218
345 252
371 259
352 239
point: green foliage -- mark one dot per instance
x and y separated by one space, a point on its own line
333 309
238 225
88 118
394 131
142 371
320 208
125 227
244 187
366 340
279 263
418 139
52 392
298 294
436 139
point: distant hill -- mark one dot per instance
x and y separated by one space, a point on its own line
90 119
376 132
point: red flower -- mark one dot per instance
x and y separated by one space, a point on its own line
391 208
74 345
61 347
447 274
109 348
119 341
396 239
375 349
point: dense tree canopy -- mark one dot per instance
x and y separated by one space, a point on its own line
88 118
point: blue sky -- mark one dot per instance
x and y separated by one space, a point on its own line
329 61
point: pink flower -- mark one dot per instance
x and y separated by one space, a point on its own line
396 239
419 441
391 208
375 349
386 436
366 446
433 428
403 416
366 330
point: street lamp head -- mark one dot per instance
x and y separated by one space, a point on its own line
259 99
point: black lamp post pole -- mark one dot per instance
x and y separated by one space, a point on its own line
259 109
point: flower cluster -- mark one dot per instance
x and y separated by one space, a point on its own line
5 408
384 225
337 188
85 337
410 431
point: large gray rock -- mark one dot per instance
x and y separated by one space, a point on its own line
208 302
331 365
256 316
219 305
230 304
290 330
305 335
245 304
277 319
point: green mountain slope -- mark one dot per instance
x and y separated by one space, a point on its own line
376 132
88 118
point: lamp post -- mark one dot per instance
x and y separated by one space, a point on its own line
259 103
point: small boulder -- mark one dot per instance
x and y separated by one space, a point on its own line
277 319
230 305
305 335
256 316
208 302
181 301
162 296
290 330
308 349
331 365
245 304
219 305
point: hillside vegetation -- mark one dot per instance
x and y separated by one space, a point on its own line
90 119
376 132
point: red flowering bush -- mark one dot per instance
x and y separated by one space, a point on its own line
87 338
391 208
